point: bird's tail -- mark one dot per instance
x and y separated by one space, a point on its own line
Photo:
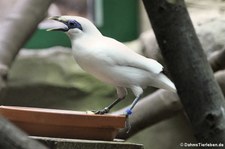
165 83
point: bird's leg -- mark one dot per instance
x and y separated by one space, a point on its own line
108 108
129 110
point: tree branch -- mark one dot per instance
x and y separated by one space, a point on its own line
13 138
220 77
200 94
16 28
217 60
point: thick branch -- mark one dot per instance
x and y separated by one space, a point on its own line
199 93
13 138
220 77
16 28
217 60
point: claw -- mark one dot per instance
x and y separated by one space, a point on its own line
90 112
103 111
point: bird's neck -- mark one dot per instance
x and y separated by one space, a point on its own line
93 31
85 41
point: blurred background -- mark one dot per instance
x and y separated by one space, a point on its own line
44 73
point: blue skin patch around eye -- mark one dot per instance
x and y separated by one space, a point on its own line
74 24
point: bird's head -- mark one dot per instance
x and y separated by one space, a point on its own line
75 26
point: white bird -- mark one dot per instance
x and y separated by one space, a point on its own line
111 61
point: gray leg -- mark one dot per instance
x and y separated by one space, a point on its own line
129 110
121 92
108 108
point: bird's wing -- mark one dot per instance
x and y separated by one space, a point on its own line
119 54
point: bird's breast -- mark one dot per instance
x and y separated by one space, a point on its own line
88 60
96 69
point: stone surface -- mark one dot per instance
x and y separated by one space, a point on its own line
57 143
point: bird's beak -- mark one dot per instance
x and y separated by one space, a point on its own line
59 19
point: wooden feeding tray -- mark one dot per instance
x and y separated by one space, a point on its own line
64 123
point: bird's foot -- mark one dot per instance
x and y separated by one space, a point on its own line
103 111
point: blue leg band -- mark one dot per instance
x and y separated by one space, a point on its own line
128 111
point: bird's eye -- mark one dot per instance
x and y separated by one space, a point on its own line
71 23
74 24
